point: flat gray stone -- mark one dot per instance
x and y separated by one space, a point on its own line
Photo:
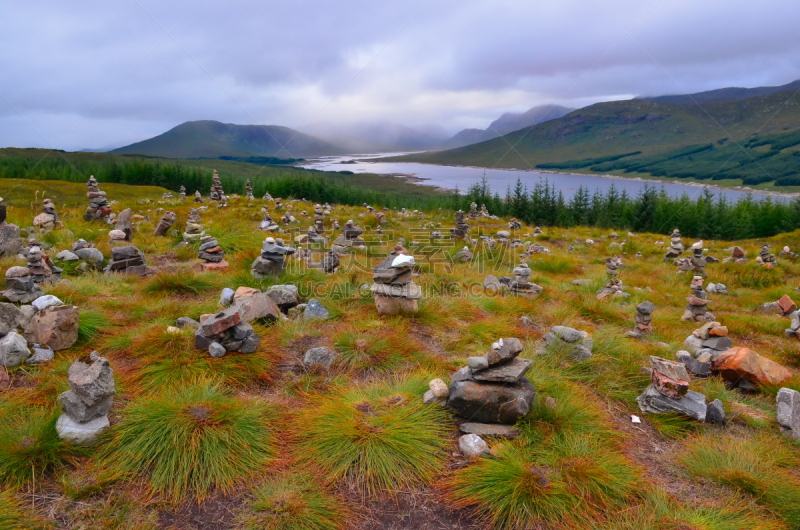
504 373
715 412
43 302
91 254
489 429
13 350
66 255
567 334
478 363
186 322
315 311
693 404
321 356
217 350
81 433
82 412
464 374
491 402
285 296
718 343
40 355
788 404
472 446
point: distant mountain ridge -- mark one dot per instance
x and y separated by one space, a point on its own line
508 122
722 94
212 139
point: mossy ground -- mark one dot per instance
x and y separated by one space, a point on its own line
352 447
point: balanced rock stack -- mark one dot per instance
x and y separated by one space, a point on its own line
737 255
98 206
164 224
217 193
228 331
194 228
612 264
330 262
87 403
716 288
473 211
272 259
48 219
268 224
676 245
248 189
267 197
669 391
698 300
492 389
696 263
502 236
212 254
319 219
577 345
765 257
520 284
393 285
787 252
126 259
484 212
123 233
703 346
23 283
182 193
514 224
614 288
10 242
462 228
643 320
53 324
350 238
197 196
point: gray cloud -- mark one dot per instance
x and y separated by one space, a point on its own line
93 73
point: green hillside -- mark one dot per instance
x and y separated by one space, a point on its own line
619 127
723 94
195 139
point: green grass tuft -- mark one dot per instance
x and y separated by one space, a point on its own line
192 439
179 283
380 436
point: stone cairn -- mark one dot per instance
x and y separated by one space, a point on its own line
575 344
248 190
197 196
614 289
462 256
272 259
227 331
462 228
164 224
217 193
696 263
182 193
319 219
126 259
330 262
212 254
393 285
23 284
787 253
484 212
669 392
473 211
698 300
737 255
520 284
98 206
491 393
703 346
676 245
268 224
48 219
716 288
350 238
123 233
514 224
766 258
88 401
267 197
194 228
643 320
10 242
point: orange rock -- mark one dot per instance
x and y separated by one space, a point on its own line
787 305
742 363
218 266
244 292
719 331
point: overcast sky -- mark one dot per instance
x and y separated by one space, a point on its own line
86 74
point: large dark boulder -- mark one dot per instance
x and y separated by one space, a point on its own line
491 402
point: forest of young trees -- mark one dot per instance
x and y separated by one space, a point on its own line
710 216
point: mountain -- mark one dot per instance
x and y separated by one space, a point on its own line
620 127
211 139
508 122
723 94
379 137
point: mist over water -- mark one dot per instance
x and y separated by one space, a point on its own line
499 180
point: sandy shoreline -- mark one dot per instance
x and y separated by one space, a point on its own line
413 178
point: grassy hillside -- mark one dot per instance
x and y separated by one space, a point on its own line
261 440
723 94
212 139
619 127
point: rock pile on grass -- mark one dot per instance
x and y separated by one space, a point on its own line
575 344
165 223
676 245
23 284
212 255
462 228
217 193
393 285
99 207
350 238
783 307
194 228
696 309
272 260
48 219
643 321
88 401
128 260
491 389
669 392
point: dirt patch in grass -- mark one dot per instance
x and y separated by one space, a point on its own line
214 513
422 509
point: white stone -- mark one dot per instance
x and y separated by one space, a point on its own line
66 255
438 388
472 446
635 419
43 302
81 433
403 262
